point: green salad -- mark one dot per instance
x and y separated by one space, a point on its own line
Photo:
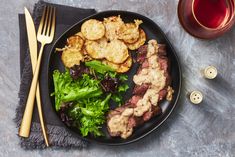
83 94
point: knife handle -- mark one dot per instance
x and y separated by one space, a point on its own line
24 130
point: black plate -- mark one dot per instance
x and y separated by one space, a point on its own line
153 31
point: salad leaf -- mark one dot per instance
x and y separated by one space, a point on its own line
88 102
60 81
91 113
123 77
66 89
123 88
98 66
78 93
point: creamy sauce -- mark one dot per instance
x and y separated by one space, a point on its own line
142 106
170 92
152 75
119 123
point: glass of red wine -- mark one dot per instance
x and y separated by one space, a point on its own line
206 19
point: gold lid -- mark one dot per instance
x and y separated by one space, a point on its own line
196 97
210 72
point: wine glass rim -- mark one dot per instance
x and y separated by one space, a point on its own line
217 28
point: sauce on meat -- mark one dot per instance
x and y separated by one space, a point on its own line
153 75
119 123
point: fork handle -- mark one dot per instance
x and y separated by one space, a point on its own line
39 105
24 130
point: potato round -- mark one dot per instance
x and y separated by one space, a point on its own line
124 67
141 40
81 35
75 42
112 25
120 68
111 64
93 29
116 51
96 49
71 57
129 32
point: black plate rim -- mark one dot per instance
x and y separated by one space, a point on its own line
171 47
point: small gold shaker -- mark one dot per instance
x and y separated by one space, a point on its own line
196 97
210 72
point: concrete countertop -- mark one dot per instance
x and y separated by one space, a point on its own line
192 130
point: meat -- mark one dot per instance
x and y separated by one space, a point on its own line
140 90
152 112
151 82
161 49
134 99
162 94
142 51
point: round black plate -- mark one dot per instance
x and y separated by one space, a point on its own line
153 31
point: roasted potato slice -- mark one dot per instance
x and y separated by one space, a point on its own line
112 25
120 68
81 35
96 49
75 42
71 57
111 64
139 42
124 67
116 51
93 29
129 32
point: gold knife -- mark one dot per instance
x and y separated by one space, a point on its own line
24 130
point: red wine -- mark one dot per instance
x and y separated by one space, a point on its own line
211 13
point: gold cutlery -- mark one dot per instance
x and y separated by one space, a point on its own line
45 36
32 40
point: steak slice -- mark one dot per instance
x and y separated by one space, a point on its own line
140 89
142 51
155 110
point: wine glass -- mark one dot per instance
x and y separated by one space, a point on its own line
206 19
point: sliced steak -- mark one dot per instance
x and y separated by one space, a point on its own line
134 99
155 110
162 49
142 51
162 94
163 62
140 89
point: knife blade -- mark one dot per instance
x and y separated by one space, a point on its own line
32 38
27 118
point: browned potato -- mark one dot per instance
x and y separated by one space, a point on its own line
96 49
81 35
129 32
116 51
71 57
75 42
120 68
93 29
111 64
141 40
125 66
112 25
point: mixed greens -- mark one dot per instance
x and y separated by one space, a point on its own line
82 95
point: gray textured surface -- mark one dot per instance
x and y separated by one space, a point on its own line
204 130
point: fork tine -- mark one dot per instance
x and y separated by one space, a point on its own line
46 20
53 25
50 13
42 21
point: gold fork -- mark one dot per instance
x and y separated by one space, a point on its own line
45 36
